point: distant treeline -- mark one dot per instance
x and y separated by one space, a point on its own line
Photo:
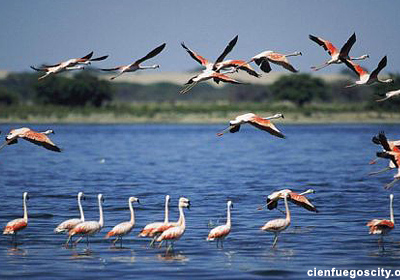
86 89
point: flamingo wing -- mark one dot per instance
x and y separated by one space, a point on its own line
120 229
86 57
302 201
38 69
14 226
381 65
328 46
151 54
227 50
99 58
219 77
67 225
355 67
41 140
112 69
219 232
264 64
284 63
266 125
195 56
344 51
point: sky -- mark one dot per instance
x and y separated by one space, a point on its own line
33 32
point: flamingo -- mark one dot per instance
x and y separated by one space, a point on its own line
387 146
67 225
155 229
175 233
220 232
395 158
88 227
278 225
364 77
389 94
236 64
299 199
38 138
264 58
211 70
382 226
16 225
136 65
336 55
125 227
259 122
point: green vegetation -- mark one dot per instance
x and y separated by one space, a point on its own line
86 96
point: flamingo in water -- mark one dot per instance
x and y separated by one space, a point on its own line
155 229
299 199
382 226
67 225
336 55
259 122
125 227
134 66
16 225
38 138
88 227
278 225
220 232
175 233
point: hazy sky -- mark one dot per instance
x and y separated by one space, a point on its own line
48 31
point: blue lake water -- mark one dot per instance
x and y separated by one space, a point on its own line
150 161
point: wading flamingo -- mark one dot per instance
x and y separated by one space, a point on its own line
220 232
125 227
67 225
38 138
336 55
299 199
389 94
259 122
263 59
381 226
88 227
136 65
175 233
278 225
16 225
364 77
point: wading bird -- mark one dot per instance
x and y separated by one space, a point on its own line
175 233
299 199
125 227
364 77
263 59
67 225
136 65
389 94
88 227
381 226
336 55
38 138
259 122
16 225
278 225
220 232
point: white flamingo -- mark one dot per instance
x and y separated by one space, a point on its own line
16 225
219 233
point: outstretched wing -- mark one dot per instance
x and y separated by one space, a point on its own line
195 56
41 140
227 50
344 51
381 65
266 125
328 46
151 54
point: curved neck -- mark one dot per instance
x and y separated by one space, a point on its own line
287 210
81 209
182 221
132 212
101 220
391 210
228 216
166 212
25 210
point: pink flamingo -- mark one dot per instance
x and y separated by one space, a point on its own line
67 225
299 199
259 122
16 225
134 66
382 226
278 225
389 94
263 59
220 232
38 138
88 227
125 227
394 156
175 233
236 64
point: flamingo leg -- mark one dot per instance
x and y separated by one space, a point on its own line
87 241
119 74
77 241
275 240
379 171
316 68
187 88
390 185
68 241
121 242
115 241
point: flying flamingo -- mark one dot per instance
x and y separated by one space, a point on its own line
263 59
220 232
88 227
395 158
381 226
299 199
236 64
364 77
38 138
386 146
259 122
278 225
67 225
155 229
125 227
16 225
136 65
175 233
336 55
389 94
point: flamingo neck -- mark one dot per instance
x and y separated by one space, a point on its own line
272 117
149 67
391 210
132 213
101 220
81 209
359 58
182 221
25 210
287 210
228 218
166 212
293 54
